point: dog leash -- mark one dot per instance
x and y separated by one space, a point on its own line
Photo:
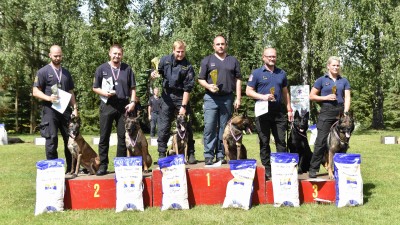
298 132
336 132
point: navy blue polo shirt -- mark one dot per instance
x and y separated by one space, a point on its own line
262 80
177 75
228 71
124 83
155 104
47 77
324 84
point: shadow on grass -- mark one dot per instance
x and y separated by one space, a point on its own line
368 187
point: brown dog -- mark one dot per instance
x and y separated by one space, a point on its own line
136 142
82 153
232 137
180 138
338 140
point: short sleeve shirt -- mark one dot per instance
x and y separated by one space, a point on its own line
324 84
262 80
177 75
122 85
46 77
227 70
155 104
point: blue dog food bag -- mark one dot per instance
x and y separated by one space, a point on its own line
129 184
239 190
348 180
174 184
285 182
50 186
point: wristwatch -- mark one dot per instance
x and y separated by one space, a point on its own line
183 106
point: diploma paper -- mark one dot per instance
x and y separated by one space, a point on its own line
107 85
260 108
64 98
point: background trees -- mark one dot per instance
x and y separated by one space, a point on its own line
363 33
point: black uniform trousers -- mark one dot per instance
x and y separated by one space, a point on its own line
110 112
52 120
277 123
170 106
327 117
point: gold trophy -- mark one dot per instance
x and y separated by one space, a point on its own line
214 78
154 63
334 90
272 92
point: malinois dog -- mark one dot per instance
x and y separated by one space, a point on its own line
136 142
82 153
180 138
233 135
338 139
298 142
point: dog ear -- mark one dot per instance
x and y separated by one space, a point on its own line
296 114
307 115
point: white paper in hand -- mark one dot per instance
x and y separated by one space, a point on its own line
260 108
107 85
64 98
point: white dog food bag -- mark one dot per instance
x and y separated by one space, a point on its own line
3 135
174 184
240 189
285 182
50 186
129 184
348 180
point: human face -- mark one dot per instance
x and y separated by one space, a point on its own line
115 55
155 91
55 55
269 57
219 45
179 53
334 68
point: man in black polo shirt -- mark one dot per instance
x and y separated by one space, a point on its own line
218 100
269 83
52 120
153 110
114 82
178 81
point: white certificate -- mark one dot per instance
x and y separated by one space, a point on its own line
260 108
64 99
107 85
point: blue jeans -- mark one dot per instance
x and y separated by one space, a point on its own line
217 112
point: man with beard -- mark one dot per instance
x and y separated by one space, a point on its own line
48 80
114 82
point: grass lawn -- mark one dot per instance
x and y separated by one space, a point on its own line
379 167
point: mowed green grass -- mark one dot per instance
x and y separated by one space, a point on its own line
380 171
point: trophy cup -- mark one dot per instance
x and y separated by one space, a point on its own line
54 91
214 78
272 92
154 63
334 89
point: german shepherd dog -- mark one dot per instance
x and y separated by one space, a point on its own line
180 137
233 135
298 142
136 142
82 153
338 139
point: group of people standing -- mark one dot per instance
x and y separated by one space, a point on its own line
221 78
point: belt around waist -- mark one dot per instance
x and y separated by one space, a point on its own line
329 105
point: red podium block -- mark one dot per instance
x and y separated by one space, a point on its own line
310 190
94 192
207 186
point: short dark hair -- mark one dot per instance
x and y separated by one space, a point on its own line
117 46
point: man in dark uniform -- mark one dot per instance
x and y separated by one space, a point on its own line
53 75
220 76
269 83
114 82
154 109
178 81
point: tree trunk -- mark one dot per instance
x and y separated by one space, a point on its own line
156 25
304 51
378 97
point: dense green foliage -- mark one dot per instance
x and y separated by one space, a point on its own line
363 33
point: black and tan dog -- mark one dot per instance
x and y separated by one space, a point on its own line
338 139
180 137
298 142
82 153
233 135
136 142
